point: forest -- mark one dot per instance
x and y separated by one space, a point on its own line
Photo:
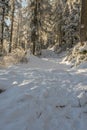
42 24
43 64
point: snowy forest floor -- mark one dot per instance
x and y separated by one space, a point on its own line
44 94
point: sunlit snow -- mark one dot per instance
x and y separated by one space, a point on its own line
43 94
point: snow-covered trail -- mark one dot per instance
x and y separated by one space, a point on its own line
43 95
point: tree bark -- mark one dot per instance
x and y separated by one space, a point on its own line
83 26
2 32
12 21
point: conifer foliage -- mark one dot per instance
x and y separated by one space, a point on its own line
39 24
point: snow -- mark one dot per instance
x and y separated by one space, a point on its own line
83 48
43 94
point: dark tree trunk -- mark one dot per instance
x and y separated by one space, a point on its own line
12 21
2 32
34 34
83 28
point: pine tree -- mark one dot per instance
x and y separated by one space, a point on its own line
4 7
12 22
83 28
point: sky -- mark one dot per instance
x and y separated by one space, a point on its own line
24 3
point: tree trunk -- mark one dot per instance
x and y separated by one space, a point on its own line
2 32
35 30
83 28
12 21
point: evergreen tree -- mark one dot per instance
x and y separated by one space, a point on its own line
83 28
4 7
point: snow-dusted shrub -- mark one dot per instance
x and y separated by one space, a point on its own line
78 54
17 55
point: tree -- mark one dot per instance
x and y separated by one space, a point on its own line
40 23
67 19
4 7
35 23
16 22
83 28
12 21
